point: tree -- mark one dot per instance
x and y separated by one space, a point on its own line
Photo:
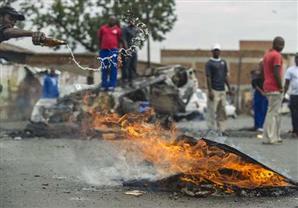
78 20
158 15
75 21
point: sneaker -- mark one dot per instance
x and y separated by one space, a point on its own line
271 143
111 89
260 129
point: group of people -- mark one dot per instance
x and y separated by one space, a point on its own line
112 38
267 80
268 95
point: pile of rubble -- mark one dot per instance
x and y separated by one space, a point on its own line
167 91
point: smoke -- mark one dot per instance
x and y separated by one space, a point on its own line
112 163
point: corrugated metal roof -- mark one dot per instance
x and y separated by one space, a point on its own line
6 47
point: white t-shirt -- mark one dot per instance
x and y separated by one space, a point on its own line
292 75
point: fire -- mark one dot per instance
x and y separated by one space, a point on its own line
197 162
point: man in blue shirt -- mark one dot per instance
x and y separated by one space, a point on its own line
50 94
50 85
217 77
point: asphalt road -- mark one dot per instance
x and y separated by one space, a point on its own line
50 173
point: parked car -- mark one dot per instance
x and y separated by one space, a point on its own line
198 102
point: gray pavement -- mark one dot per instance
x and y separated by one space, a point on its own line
52 173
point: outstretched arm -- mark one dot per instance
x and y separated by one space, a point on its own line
37 37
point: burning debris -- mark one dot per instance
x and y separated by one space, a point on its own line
219 170
194 167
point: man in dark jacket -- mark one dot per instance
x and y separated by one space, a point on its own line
129 69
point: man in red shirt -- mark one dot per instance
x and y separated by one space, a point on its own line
109 38
272 63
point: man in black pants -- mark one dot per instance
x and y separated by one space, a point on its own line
291 78
129 70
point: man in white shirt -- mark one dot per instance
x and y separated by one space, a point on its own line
291 78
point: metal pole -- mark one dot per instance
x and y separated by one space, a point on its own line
238 84
148 42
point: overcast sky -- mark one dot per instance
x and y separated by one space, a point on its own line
203 22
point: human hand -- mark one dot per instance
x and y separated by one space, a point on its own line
263 93
38 38
229 92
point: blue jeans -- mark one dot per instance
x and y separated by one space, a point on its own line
260 108
109 68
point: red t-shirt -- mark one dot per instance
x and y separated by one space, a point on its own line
110 36
271 58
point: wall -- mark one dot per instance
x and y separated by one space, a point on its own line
240 64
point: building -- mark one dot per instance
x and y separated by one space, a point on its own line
14 59
240 62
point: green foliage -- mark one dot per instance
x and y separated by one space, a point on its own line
158 15
78 20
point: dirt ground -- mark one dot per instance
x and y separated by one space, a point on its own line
56 173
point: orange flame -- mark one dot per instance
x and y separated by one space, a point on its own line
197 163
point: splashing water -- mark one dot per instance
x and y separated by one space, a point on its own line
142 34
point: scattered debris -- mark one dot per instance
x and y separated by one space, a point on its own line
59 177
260 136
18 138
79 199
135 193
168 91
92 189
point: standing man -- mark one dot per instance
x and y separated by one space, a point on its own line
129 69
217 77
50 94
272 63
109 38
291 78
8 18
260 102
